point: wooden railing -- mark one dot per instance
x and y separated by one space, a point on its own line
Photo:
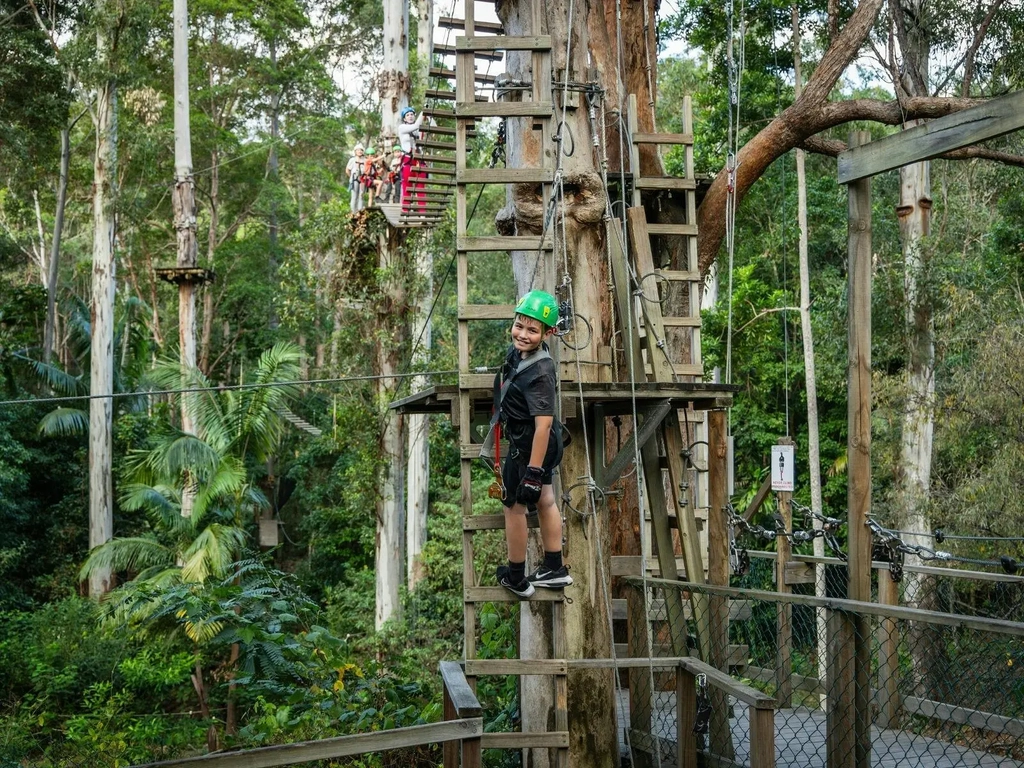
762 706
459 733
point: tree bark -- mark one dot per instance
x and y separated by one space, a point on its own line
393 88
53 266
418 460
101 375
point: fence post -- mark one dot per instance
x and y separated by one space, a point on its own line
450 750
686 714
839 728
784 620
762 738
889 701
638 628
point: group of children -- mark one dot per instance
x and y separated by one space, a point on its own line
387 177
373 177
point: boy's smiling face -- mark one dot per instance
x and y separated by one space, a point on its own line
528 333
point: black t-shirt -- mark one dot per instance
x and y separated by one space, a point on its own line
531 393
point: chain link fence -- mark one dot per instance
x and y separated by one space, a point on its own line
897 686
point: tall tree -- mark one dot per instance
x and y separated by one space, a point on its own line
101 387
393 89
418 459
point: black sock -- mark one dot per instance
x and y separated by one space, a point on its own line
553 560
516 572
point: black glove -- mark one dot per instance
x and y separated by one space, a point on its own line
528 491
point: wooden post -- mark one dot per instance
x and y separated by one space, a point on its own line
450 749
889 700
859 446
784 617
762 738
638 627
686 713
718 573
839 729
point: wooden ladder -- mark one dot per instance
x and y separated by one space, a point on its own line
475 392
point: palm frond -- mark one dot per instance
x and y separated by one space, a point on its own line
57 379
127 554
64 422
212 552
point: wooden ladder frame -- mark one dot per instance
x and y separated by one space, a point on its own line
474 387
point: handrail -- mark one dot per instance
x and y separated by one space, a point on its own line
881 565
851 606
340 746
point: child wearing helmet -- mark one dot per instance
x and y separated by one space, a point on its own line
525 408
371 178
354 172
408 135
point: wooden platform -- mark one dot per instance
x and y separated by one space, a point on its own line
800 741
616 397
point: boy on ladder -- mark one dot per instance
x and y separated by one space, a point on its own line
525 398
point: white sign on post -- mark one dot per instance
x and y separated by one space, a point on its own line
782 468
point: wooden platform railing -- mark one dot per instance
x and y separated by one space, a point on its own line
762 707
460 702
459 733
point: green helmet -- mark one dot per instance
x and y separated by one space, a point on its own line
540 306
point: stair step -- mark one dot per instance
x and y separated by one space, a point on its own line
449 74
449 22
447 95
451 50
516 243
486 311
505 176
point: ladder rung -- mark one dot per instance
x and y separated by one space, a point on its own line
486 311
672 229
442 114
681 322
517 243
680 275
548 739
444 130
451 50
446 159
449 145
505 176
502 595
664 182
488 522
516 667
449 74
449 22
663 138
502 43
504 109
476 381
447 95
437 171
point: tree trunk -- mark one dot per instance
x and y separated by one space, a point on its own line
810 379
914 213
183 201
418 459
53 266
394 94
211 249
101 375
591 700
272 167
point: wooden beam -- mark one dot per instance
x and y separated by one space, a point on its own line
994 118
340 746
859 254
653 417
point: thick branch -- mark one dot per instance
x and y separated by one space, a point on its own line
972 51
783 133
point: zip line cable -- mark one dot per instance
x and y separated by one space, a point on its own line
220 388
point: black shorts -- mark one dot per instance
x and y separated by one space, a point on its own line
515 465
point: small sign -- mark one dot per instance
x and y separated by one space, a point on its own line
782 468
